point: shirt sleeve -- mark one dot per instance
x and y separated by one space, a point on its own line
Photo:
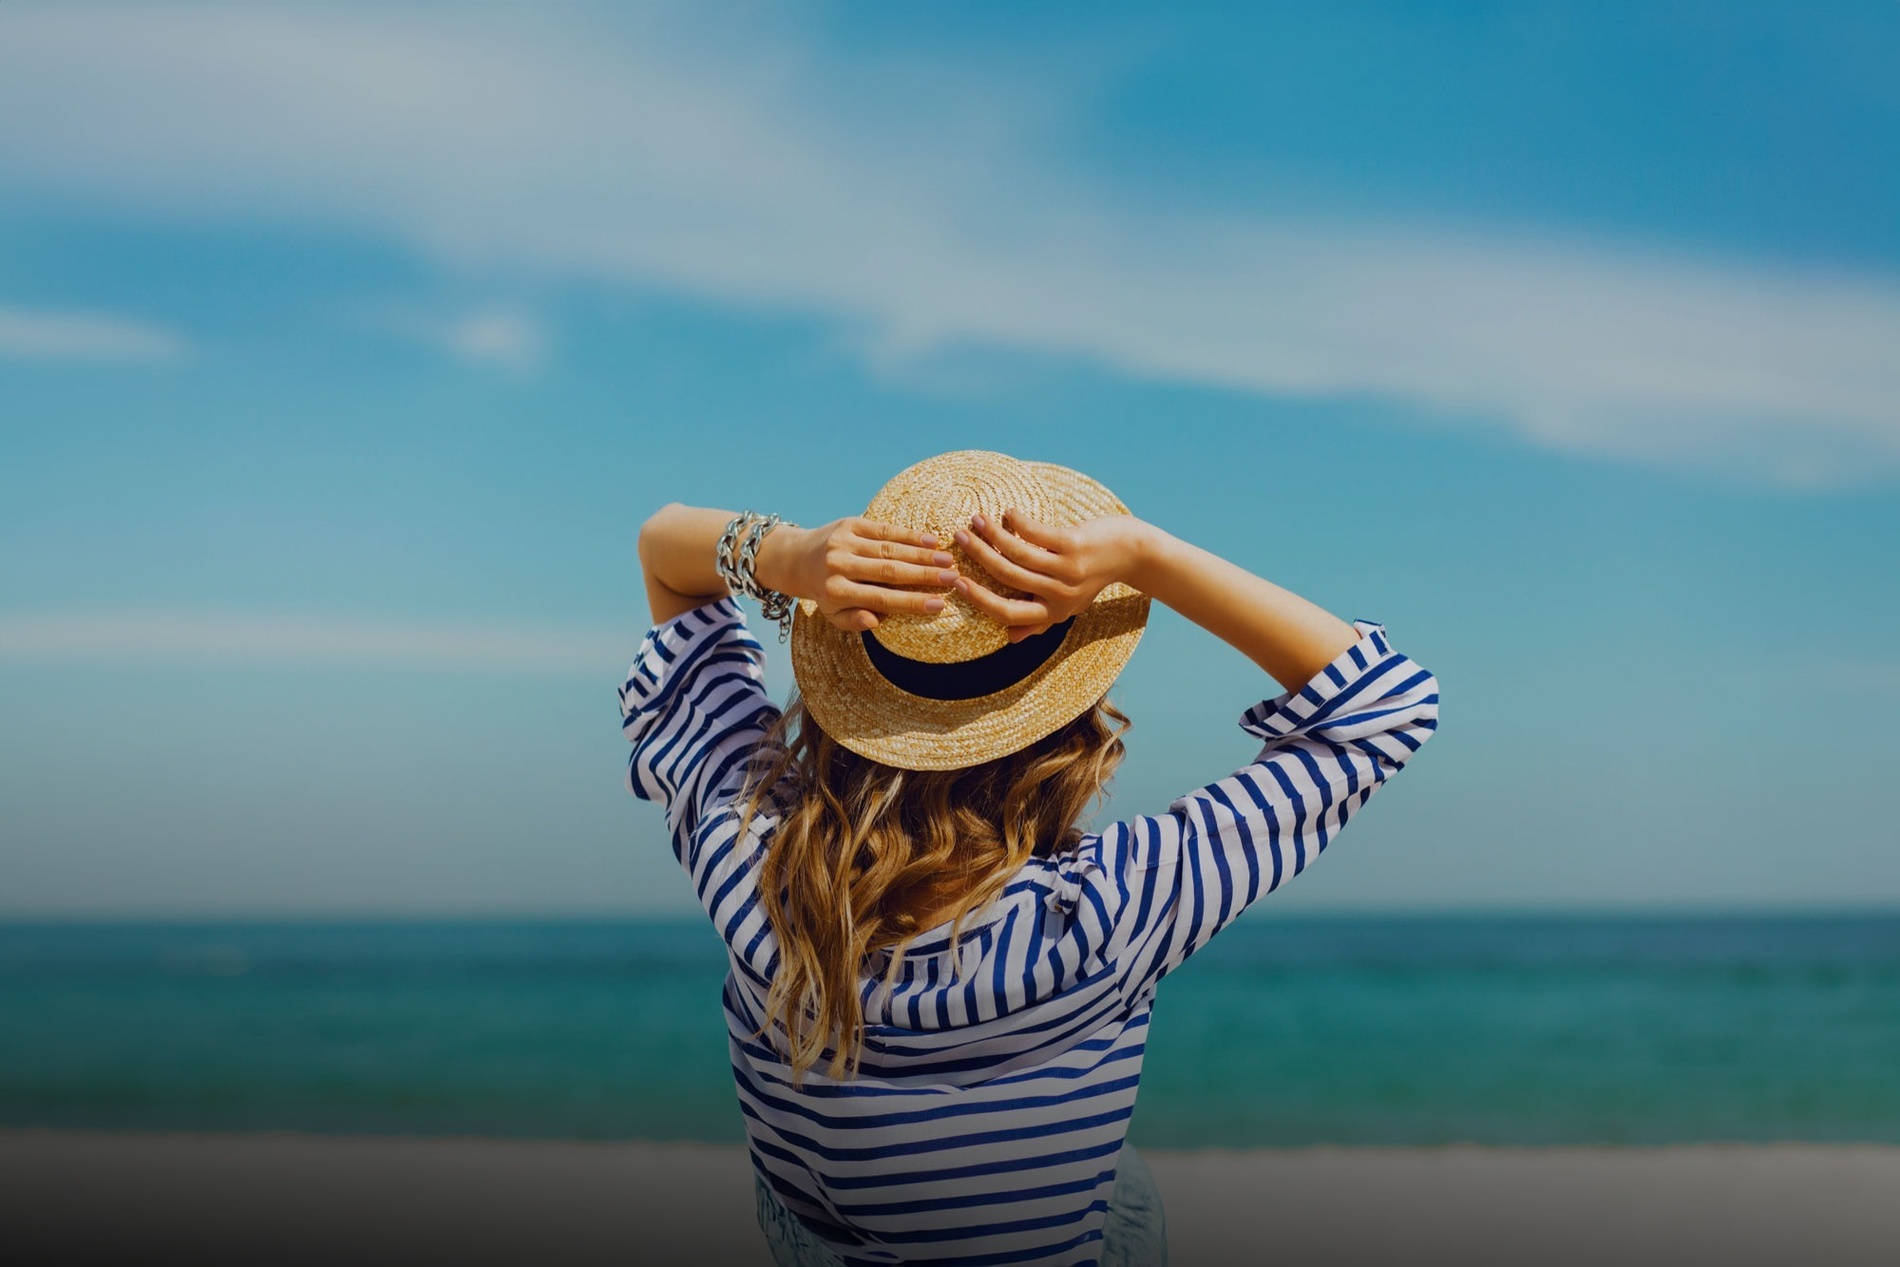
695 710
1183 876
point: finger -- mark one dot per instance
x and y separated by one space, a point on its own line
890 572
876 531
1035 531
854 619
1033 557
1004 570
1019 632
876 598
872 548
1007 611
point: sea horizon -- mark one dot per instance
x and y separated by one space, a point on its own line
555 915
1292 1029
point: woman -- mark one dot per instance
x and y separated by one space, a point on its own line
940 984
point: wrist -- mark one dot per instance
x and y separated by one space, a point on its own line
1143 547
777 566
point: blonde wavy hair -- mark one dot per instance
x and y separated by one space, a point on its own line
865 852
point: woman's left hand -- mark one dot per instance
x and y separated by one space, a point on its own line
854 568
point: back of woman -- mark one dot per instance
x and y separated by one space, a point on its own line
940 986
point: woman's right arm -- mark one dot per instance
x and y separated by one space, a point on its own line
1063 569
1354 712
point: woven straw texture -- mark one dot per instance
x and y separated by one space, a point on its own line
863 711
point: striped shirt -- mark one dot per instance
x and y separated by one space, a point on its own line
997 1082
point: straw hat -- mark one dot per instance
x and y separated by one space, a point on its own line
946 691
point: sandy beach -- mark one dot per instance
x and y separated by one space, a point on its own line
287 1198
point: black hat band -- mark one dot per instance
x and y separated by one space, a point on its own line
967 679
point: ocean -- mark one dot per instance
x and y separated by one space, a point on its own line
1284 1031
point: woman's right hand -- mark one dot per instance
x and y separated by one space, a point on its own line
1061 569
852 569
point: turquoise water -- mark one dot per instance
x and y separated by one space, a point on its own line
1284 1031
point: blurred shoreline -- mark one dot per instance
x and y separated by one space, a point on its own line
294 1198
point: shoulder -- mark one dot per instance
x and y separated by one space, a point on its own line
712 641
695 709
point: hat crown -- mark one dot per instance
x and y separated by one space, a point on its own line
938 496
950 708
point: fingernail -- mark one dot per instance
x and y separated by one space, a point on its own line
963 538
927 540
933 604
978 522
963 586
942 560
947 576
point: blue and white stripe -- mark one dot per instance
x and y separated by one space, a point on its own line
997 1082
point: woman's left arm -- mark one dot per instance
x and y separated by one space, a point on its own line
852 567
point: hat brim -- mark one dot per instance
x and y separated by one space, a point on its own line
861 709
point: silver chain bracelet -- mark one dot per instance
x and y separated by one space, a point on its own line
736 557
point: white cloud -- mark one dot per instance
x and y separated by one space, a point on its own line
36 335
494 336
507 339
758 174
138 636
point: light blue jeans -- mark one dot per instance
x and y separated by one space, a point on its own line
1134 1235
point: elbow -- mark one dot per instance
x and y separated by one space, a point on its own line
1425 708
650 532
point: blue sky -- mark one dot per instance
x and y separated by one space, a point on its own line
343 348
